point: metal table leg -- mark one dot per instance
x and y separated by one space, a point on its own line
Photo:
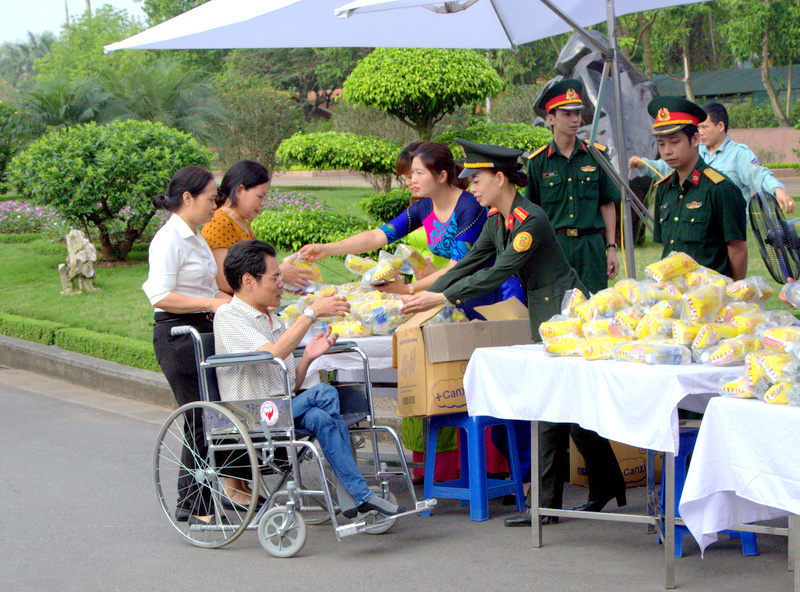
794 549
536 479
669 520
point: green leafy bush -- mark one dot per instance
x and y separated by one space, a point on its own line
113 348
511 135
373 157
291 229
34 330
746 114
384 207
97 176
18 238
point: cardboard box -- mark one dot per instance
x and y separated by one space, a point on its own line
632 461
431 360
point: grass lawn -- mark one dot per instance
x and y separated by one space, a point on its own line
31 285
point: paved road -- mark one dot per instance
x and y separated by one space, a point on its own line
78 512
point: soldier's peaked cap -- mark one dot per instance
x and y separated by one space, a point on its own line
487 156
672 114
565 94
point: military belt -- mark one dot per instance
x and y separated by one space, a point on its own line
578 231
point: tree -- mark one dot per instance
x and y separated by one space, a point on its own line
103 178
58 103
17 59
167 91
258 119
420 86
771 30
158 11
78 52
373 157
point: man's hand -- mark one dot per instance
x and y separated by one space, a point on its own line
786 201
421 301
295 276
612 263
635 162
320 343
331 306
424 272
394 287
313 252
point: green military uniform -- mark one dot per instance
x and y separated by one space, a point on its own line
571 191
699 217
525 245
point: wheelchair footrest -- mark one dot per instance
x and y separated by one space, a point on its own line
357 527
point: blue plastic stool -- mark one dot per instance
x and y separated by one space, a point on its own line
688 438
473 487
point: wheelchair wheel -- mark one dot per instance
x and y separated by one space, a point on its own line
282 533
188 478
385 523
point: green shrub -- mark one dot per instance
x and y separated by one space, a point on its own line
113 348
19 238
384 207
291 229
746 114
34 330
511 135
97 176
373 157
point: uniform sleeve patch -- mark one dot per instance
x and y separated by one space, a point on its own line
522 242
756 162
715 176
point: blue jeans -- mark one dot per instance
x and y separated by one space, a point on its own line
317 410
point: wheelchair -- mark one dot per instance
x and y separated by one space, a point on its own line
257 442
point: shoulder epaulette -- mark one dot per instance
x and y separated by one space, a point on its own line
492 210
661 180
520 214
715 176
600 147
537 151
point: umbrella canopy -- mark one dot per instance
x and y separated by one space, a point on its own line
485 24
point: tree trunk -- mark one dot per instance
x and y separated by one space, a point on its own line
647 49
789 91
687 70
773 98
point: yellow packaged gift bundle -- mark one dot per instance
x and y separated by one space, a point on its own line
560 325
653 352
776 338
630 316
703 303
383 273
704 276
735 309
734 386
647 292
684 333
563 345
601 348
359 265
752 289
755 376
381 316
605 302
778 393
607 326
350 329
572 298
674 265
652 326
410 254
303 264
779 367
729 351
664 308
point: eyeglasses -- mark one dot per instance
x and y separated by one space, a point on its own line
275 277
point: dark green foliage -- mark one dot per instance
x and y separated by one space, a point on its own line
113 348
746 114
34 330
96 176
511 135
291 229
386 206
19 238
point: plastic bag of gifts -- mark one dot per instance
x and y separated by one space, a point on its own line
316 275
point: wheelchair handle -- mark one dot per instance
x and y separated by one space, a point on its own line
184 330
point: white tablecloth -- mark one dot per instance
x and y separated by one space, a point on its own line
624 401
377 348
745 467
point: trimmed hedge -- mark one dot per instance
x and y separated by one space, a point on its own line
28 237
114 348
28 329
289 230
385 207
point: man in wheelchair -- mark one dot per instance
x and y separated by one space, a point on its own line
247 324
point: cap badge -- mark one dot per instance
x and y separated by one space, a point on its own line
571 94
663 114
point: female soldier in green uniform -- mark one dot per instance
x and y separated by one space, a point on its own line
518 240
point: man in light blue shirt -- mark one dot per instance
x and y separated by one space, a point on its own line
734 160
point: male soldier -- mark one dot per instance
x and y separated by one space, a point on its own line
730 158
695 210
574 190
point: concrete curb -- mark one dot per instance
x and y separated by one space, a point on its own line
118 379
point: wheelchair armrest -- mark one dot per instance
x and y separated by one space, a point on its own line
242 359
338 347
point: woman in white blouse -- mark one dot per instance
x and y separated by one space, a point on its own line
182 288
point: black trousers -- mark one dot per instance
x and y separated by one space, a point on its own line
177 360
602 467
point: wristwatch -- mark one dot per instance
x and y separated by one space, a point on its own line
309 312
611 246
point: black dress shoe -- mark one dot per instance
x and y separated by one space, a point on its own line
182 514
525 518
597 504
